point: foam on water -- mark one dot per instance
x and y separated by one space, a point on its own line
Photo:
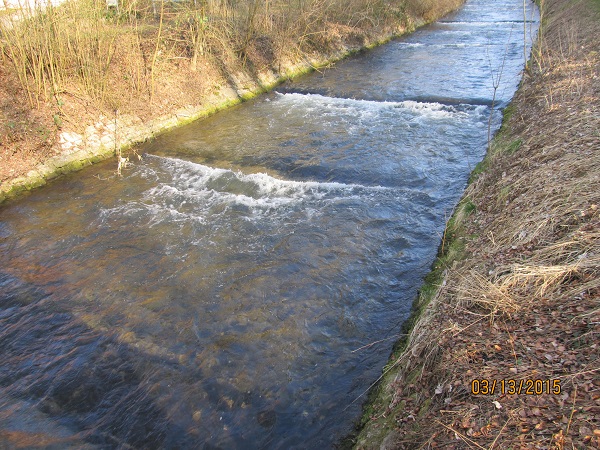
449 45
256 186
371 109
485 23
191 192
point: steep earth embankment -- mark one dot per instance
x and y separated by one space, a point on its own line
164 70
504 351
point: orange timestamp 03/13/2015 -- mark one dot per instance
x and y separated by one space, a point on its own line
527 386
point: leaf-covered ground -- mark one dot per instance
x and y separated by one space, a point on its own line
506 355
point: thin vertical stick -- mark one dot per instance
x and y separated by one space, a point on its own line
525 35
153 66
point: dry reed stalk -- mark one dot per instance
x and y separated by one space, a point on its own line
476 289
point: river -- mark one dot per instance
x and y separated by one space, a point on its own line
217 294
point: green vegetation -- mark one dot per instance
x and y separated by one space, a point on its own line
502 143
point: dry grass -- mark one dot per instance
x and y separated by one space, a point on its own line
83 43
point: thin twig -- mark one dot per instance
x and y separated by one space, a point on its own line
511 341
462 436
572 411
501 430
377 342
580 373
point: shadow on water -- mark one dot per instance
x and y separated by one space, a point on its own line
60 377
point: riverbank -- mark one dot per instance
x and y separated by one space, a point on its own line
503 349
153 81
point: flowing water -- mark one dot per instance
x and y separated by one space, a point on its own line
216 294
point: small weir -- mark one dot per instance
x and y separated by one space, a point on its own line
215 296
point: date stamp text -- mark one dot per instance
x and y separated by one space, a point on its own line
484 386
